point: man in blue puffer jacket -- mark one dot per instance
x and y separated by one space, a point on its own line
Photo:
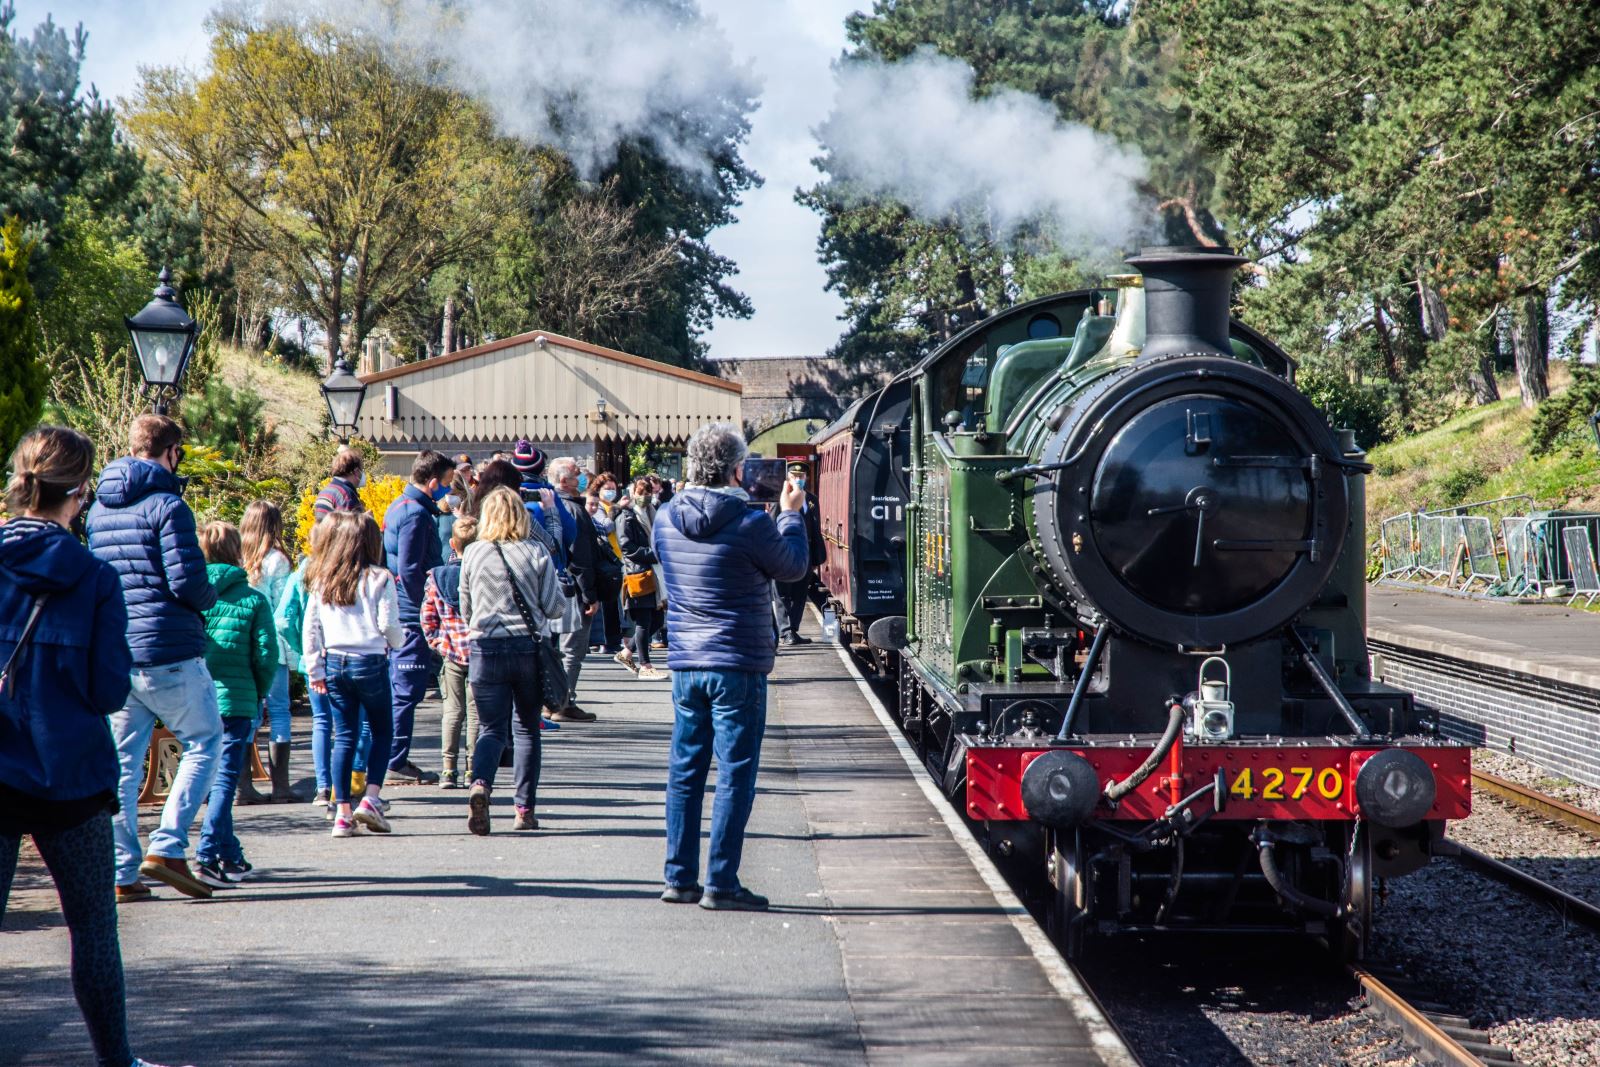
719 557
140 525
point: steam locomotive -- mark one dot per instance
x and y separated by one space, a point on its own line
1133 633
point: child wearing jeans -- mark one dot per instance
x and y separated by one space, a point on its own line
290 617
446 633
352 620
242 658
266 561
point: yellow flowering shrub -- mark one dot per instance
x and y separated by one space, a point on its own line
377 495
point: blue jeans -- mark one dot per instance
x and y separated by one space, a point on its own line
321 739
721 712
182 697
358 684
504 675
217 840
278 705
415 667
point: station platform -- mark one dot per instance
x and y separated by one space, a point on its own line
1513 677
888 942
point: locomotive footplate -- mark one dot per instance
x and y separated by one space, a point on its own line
1269 778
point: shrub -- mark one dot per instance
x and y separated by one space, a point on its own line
22 377
1347 405
1458 485
231 421
377 495
1562 421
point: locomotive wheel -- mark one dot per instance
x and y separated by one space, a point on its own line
1071 901
1356 928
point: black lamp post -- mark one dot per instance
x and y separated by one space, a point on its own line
163 337
344 392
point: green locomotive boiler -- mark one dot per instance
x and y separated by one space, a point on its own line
1134 644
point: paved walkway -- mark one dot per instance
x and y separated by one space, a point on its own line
435 947
1543 640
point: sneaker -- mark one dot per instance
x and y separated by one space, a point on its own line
410 774
358 783
658 644
573 714
740 899
478 809
546 724
450 780
788 640
525 820
323 797
238 871
343 827
682 894
369 815
800 639
625 658
381 803
175 872
214 876
133 893
647 673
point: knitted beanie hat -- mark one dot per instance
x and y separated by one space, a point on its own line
528 460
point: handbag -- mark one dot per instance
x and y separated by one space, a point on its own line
640 584
552 675
6 682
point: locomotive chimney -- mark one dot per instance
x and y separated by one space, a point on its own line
1186 299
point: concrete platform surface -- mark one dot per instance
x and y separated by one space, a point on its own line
1541 640
434 947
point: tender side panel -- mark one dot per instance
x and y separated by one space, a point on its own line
834 463
1314 782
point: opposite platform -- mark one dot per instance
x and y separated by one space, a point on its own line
885 943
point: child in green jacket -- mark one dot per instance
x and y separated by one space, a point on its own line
242 656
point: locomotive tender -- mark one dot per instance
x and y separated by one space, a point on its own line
1134 641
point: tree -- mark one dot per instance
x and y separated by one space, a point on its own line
337 173
22 376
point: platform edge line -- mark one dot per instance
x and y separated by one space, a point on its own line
1111 1049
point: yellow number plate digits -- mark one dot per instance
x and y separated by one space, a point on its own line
1328 780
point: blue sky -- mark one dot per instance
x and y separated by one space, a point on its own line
790 43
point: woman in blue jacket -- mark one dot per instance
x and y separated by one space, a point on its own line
65 664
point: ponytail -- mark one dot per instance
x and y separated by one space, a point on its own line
48 466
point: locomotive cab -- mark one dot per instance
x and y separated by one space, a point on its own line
1135 633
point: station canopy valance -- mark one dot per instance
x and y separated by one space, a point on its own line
544 387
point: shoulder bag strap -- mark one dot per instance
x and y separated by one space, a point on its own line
6 683
516 595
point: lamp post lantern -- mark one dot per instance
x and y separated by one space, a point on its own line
600 406
163 337
344 392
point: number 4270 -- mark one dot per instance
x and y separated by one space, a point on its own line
1274 781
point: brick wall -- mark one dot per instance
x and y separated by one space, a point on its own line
1555 725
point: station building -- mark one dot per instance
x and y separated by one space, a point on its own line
568 397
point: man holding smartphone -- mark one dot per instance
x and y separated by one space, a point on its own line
790 603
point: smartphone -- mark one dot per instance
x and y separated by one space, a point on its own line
763 479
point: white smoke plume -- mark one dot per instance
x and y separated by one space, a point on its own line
912 130
585 76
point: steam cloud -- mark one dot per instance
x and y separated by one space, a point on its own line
585 76
911 130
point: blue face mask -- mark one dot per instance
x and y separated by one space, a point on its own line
583 482
441 492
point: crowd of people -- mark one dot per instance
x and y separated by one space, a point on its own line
491 582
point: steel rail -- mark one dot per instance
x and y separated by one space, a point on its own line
1428 1036
1547 806
1569 906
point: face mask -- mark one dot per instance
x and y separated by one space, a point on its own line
583 482
453 500
361 483
441 492
608 495
799 482
655 498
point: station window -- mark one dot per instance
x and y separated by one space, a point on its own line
1044 325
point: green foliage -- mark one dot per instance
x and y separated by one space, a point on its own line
101 275
1347 405
1562 422
639 461
1460 484
229 421
221 488
22 376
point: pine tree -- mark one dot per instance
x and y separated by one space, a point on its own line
22 376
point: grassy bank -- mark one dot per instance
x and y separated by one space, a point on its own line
294 404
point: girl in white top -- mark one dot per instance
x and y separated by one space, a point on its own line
352 620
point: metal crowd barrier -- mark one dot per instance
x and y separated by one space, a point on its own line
1398 537
1457 547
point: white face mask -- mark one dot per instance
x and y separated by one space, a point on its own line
608 495
362 482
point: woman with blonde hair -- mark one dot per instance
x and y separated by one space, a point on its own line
352 620
509 593
266 565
